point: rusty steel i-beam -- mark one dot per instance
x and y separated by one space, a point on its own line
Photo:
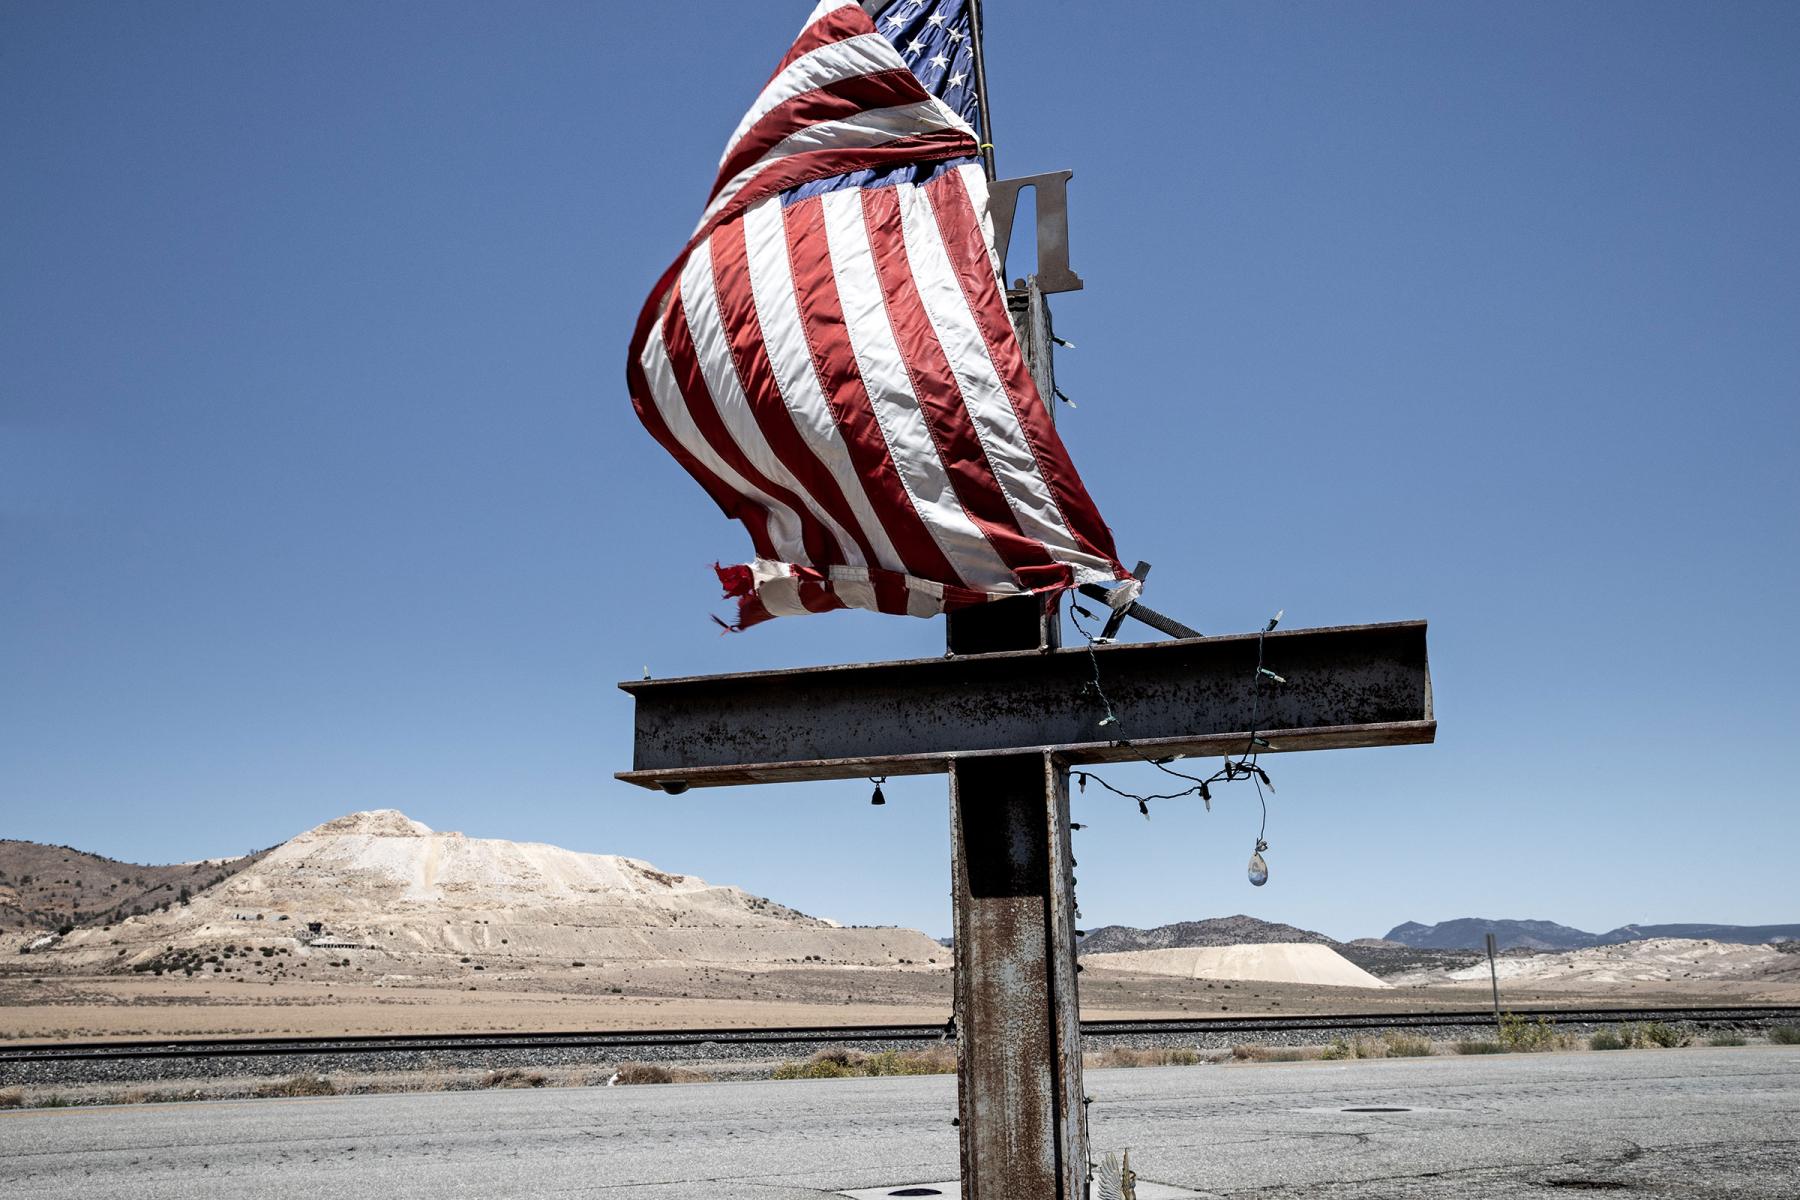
1357 685
1006 725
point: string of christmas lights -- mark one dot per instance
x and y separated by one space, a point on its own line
1244 766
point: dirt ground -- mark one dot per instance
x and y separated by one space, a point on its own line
39 1007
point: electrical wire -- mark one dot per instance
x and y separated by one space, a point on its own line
1244 766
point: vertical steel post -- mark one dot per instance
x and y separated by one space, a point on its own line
1023 1122
1023 1118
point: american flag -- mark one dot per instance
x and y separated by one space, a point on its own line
831 355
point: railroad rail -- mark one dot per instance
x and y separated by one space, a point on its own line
850 1035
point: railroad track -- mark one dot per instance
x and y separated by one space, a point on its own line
849 1035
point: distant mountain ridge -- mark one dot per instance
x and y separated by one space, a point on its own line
1469 933
1239 930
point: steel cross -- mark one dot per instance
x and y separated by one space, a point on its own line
1004 714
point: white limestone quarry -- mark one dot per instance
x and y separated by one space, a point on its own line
1268 962
1653 960
380 880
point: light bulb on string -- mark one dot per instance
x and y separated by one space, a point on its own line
1259 870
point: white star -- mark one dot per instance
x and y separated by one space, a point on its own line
939 61
936 18
895 20
956 80
955 35
914 46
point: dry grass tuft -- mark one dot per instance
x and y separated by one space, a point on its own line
1477 1046
638 1073
1393 1044
1522 1035
837 1062
299 1085
1399 1045
1128 1056
1260 1053
513 1077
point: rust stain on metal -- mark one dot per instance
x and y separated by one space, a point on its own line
1017 1019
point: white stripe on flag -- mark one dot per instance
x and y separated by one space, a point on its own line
984 395
784 338
712 346
974 181
831 63
857 593
896 409
777 588
871 128
784 524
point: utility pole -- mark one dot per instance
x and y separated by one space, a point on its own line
1494 978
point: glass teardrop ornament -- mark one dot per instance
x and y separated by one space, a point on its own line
1259 870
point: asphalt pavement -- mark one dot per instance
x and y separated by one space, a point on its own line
1694 1123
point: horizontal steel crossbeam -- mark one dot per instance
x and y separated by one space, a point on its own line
1356 685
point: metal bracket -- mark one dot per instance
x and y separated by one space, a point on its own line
1051 201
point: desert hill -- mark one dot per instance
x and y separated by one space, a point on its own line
1215 931
46 887
393 896
1469 933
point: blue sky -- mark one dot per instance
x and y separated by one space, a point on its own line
319 489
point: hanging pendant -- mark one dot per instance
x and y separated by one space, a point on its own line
1259 870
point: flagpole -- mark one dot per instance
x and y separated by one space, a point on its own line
981 96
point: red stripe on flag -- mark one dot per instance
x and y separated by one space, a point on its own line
737 312
833 102
834 359
835 26
967 248
940 398
795 169
732 503
820 545
818 597
890 592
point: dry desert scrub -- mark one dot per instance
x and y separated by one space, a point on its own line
1522 1035
383 1083
1127 1056
637 1072
299 1085
1784 1035
840 1063
1392 1045
1476 1046
1261 1053
513 1077
1649 1035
